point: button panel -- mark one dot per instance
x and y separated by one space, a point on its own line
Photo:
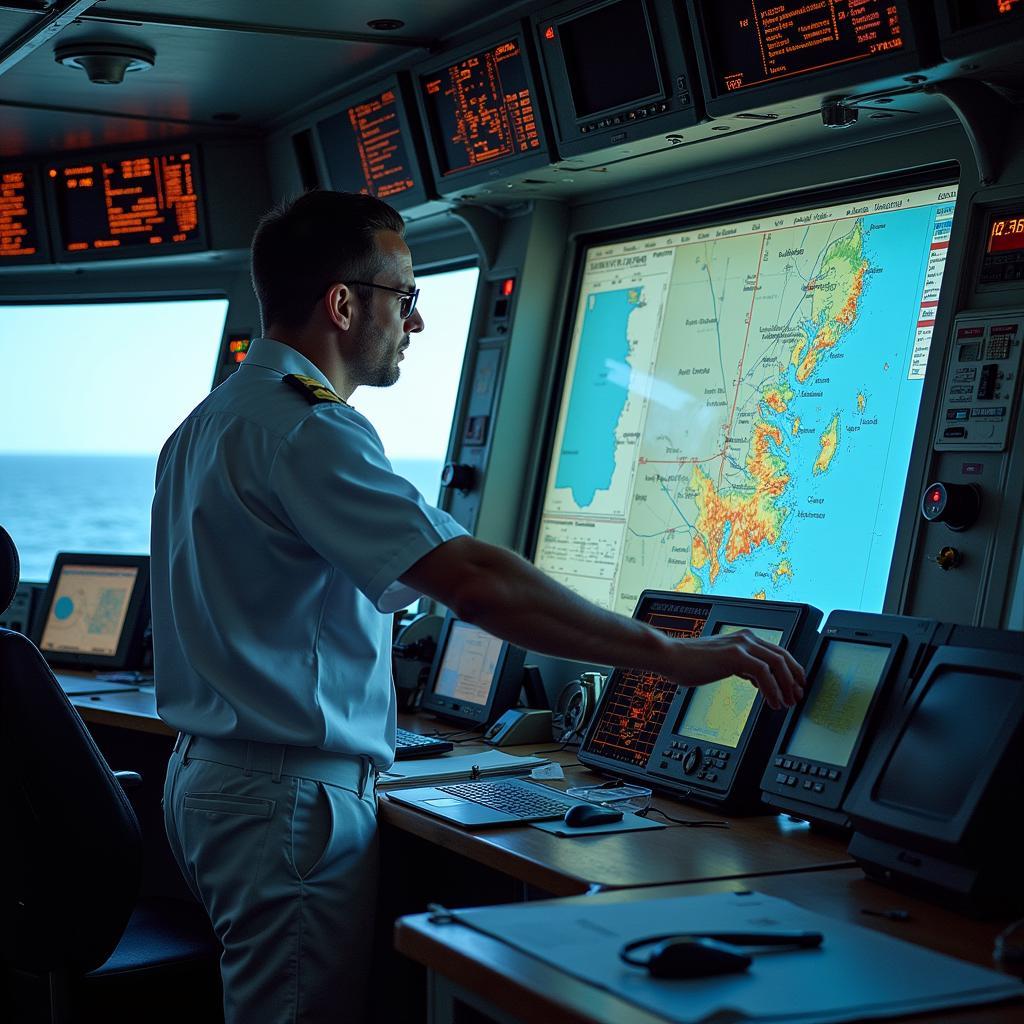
690 762
981 382
807 777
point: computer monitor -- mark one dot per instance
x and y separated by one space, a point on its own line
475 677
979 29
759 53
736 391
617 72
932 805
483 112
95 611
140 202
22 225
369 146
860 670
707 743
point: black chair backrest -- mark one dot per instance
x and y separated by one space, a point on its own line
71 849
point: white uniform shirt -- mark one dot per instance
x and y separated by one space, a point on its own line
279 533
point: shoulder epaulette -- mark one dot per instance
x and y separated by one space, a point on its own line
312 390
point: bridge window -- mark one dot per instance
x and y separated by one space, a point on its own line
88 394
414 416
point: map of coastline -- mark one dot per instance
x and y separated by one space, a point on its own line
784 381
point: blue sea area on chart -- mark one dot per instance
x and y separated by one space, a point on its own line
586 462
837 535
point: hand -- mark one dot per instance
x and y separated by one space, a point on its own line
774 671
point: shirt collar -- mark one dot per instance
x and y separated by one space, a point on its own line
282 358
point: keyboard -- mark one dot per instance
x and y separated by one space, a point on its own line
508 796
414 744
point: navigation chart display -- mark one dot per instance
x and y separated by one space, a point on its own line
765 40
740 402
470 662
128 204
88 610
367 148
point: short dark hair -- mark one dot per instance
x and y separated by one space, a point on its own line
304 246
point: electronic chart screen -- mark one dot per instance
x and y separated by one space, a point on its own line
740 402
845 683
469 664
88 609
758 41
635 703
717 713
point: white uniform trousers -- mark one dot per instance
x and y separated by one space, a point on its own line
279 844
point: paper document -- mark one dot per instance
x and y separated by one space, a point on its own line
428 771
857 973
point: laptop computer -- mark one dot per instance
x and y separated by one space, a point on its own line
487 803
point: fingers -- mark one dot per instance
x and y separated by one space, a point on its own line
773 670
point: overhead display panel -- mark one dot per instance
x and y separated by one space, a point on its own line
761 51
143 202
740 402
482 107
617 72
984 30
22 236
368 146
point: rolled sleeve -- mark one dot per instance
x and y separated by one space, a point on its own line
342 497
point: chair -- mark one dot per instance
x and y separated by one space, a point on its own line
75 940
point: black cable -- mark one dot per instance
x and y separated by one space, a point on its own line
684 822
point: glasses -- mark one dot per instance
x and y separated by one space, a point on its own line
406 304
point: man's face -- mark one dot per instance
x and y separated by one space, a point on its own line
385 335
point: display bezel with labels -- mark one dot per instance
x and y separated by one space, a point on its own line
814 788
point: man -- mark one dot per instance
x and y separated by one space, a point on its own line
281 542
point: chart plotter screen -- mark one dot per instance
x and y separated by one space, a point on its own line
482 108
767 40
739 396
718 712
635 704
88 611
846 680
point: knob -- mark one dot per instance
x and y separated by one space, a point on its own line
948 558
458 475
692 761
956 505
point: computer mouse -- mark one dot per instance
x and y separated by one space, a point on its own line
691 957
591 814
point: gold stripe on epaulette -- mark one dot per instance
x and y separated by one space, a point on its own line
312 389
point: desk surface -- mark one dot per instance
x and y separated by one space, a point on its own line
529 990
760 845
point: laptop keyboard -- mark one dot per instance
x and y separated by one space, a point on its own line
414 744
508 797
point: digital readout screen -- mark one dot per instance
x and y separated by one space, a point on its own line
758 41
635 706
482 109
127 203
1006 234
366 150
19 216
970 13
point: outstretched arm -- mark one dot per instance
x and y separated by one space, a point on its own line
505 595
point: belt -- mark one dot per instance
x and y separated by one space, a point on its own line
276 759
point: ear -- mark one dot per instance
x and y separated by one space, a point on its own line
338 305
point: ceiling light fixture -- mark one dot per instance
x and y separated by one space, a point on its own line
385 24
105 63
